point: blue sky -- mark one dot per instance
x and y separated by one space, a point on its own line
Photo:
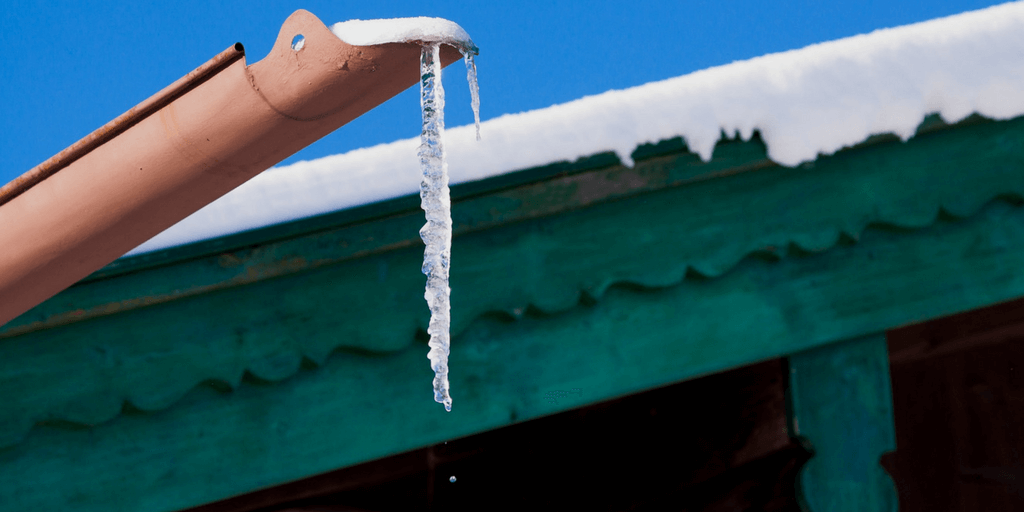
69 67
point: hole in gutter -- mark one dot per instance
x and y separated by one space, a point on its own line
298 42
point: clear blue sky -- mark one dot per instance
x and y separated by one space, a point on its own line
69 67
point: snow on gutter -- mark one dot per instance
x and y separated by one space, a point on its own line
421 29
805 102
186 146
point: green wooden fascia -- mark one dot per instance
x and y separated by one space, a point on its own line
146 336
358 406
306 244
555 299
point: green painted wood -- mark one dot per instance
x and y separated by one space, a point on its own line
274 306
840 400
171 384
364 232
917 178
215 443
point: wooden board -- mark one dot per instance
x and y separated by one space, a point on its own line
159 387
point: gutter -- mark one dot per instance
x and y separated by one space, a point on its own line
184 147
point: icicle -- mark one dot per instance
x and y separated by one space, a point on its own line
474 88
437 232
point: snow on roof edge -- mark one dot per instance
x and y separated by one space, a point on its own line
806 102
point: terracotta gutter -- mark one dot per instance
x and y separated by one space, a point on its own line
181 149
121 123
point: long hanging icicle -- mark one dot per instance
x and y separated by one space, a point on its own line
437 232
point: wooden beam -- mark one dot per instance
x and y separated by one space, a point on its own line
361 406
841 409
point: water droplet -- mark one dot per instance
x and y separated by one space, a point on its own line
452 479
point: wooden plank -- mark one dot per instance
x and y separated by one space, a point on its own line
733 205
546 300
358 234
361 406
841 408
266 310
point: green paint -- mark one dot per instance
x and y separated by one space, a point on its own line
841 408
226 357
735 204
357 407
265 308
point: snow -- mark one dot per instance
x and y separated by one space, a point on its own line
805 102
402 30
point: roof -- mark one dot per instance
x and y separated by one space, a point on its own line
805 102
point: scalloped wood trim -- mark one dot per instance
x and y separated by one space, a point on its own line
86 372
